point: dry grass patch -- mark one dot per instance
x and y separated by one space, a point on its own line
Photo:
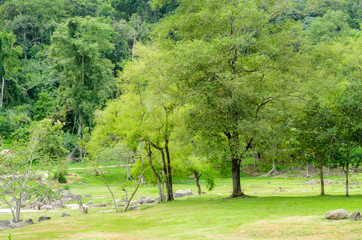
301 227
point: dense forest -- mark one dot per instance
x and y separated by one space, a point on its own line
197 86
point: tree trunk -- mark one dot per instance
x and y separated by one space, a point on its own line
169 173
347 169
236 178
307 170
2 91
197 177
109 189
134 192
321 178
158 178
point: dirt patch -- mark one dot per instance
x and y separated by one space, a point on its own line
301 227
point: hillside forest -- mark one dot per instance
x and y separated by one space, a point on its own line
175 88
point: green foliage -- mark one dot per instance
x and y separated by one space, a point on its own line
78 53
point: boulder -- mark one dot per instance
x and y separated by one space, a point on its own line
46 207
337 214
4 223
19 225
148 200
65 214
355 216
87 196
182 193
57 204
30 221
66 200
36 205
133 208
43 218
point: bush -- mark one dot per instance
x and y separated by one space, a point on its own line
60 177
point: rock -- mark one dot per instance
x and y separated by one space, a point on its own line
67 194
89 204
133 208
43 218
19 225
358 187
3 227
337 214
99 205
65 214
148 200
57 204
182 193
4 223
281 189
66 200
77 196
355 216
203 192
87 196
46 207
30 221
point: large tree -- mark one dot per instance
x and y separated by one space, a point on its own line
78 51
238 63
8 59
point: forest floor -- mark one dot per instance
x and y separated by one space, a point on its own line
277 208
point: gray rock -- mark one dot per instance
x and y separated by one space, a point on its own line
87 196
65 214
98 205
355 216
43 218
4 222
46 207
3 227
358 187
133 208
337 214
30 221
148 200
182 193
57 204
36 205
89 204
19 225
66 200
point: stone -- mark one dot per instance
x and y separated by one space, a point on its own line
358 187
87 196
89 204
182 193
30 221
66 200
19 225
3 227
36 205
355 216
148 200
46 207
43 218
4 223
337 214
57 204
133 208
65 214
203 192
99 205
281 189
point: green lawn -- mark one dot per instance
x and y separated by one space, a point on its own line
295 213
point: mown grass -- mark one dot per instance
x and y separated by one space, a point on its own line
267 213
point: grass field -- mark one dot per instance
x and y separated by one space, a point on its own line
296 212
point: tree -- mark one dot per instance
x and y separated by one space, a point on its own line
78 53
349 127
8 59
20 183
237 61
